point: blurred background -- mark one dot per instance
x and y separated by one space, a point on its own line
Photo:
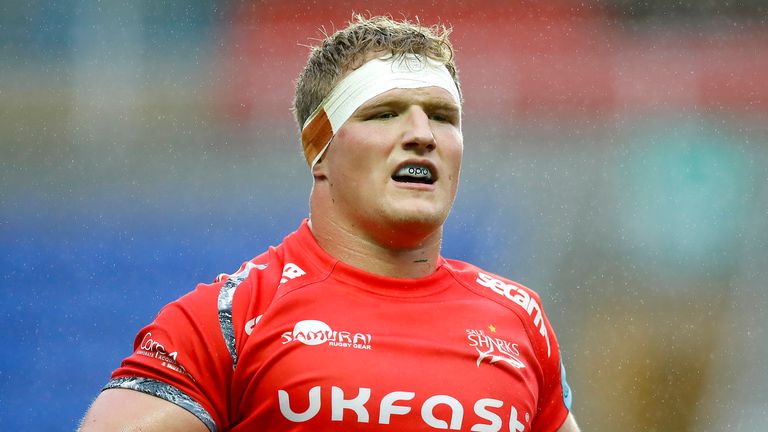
616 161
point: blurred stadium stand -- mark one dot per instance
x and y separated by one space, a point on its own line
616 161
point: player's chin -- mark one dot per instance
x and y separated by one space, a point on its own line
419 216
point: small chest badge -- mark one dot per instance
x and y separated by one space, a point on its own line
494 349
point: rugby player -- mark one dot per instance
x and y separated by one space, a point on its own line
355 321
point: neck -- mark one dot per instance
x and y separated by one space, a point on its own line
385 257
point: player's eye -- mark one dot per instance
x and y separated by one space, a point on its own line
443 118
383 115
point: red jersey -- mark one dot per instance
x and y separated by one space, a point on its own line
300 341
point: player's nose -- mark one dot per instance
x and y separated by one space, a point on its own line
418 131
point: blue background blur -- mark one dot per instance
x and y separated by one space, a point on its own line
616 161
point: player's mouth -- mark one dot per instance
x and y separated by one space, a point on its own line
415 172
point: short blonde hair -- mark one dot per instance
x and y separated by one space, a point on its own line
344 51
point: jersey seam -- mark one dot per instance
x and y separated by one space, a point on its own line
279 295
407 299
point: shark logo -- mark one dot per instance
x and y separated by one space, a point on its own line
494 349
506 358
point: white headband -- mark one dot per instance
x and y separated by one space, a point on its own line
363 84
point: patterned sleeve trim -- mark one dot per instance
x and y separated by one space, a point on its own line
167 392
226 296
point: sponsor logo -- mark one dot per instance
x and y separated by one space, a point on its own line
434 411
149 347
519 297
291 271
314 332
494 349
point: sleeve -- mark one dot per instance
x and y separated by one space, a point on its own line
183 357
555 397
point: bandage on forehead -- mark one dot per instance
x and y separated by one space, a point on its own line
373 78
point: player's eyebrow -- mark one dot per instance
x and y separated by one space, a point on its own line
442 105
430 102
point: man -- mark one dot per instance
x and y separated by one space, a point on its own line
355 321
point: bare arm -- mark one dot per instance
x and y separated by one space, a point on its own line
129 410
569 425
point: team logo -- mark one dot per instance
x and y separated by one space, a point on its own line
291 271
494 349
251 324
314 332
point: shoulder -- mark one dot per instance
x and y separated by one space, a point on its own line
492 285
249 291
249 277
521 300
293 262
251 274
